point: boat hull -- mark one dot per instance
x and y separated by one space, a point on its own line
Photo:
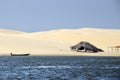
20 54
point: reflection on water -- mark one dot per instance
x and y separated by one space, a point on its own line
59 68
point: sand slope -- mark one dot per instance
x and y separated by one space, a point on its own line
57 42
6 31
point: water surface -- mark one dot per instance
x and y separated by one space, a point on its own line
59 68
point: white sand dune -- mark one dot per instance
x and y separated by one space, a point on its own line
58 42
6 31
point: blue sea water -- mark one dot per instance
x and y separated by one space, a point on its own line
59 68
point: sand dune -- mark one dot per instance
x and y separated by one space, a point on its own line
6 31
58 42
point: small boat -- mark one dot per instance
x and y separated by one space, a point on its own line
27 54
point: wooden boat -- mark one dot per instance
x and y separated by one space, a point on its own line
27 54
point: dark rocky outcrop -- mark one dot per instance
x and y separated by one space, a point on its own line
85 46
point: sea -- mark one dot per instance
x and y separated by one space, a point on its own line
59 68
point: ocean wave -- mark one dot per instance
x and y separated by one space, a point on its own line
55 67
66 67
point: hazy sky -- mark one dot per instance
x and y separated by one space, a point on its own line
41 15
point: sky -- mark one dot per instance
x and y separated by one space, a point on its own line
43 15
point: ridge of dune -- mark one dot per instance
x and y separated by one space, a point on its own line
56 42
7 31
106 37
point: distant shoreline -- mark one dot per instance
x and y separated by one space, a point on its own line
102 54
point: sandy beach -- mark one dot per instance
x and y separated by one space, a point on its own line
58 42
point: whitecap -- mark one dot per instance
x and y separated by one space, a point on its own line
47 67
